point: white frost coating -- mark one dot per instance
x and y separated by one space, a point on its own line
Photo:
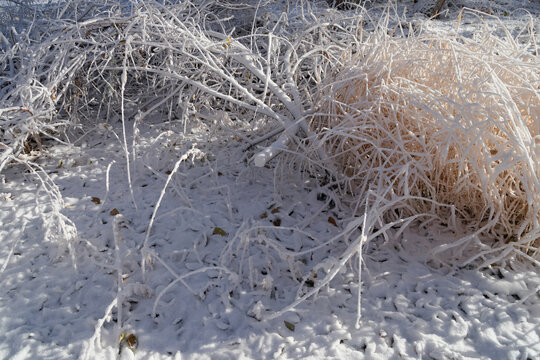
260 159
297 112
188 151
270 152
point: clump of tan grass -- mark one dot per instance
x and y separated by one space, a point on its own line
450 128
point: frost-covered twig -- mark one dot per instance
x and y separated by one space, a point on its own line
95 340
144 246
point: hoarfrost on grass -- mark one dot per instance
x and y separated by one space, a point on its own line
129 133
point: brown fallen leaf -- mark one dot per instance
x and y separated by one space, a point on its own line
264 215
277 222
96 200
332 221
114 212
132 342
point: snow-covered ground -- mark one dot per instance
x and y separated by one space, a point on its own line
200 254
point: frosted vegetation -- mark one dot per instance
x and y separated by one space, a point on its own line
398 128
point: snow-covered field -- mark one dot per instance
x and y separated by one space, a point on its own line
205 256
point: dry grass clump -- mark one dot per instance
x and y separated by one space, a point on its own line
448 126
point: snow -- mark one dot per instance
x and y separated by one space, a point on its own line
194 268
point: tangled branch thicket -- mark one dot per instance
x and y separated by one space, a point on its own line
437 130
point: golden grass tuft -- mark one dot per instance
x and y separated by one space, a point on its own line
448 125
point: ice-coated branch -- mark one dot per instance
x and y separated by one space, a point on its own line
244 56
